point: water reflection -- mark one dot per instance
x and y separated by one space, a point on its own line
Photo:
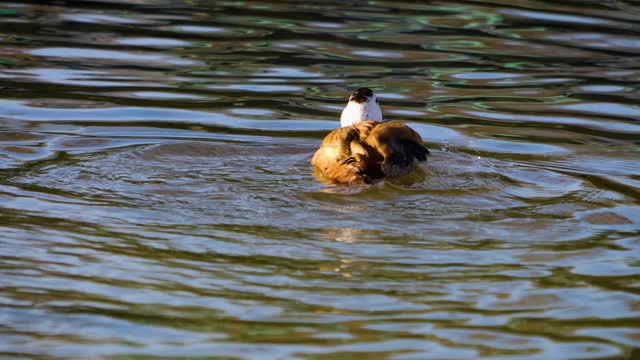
156 198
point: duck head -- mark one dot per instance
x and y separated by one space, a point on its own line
362 105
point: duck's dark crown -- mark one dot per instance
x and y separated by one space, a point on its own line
361 95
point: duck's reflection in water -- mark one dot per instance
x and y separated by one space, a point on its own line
347 235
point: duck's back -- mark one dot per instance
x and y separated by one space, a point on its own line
369 150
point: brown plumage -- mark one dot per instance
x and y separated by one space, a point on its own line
369 150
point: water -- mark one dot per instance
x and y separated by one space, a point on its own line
157 201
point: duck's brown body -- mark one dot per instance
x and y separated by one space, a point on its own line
369 150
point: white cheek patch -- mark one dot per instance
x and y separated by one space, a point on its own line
374 112
354 112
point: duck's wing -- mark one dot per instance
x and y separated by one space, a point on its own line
343 157
400 146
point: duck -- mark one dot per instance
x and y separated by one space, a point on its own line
365 148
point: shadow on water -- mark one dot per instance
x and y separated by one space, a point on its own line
157 201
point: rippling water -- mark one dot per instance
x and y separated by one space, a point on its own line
157 201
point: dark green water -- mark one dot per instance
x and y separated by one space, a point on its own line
156 197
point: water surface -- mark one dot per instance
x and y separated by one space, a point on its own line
157 201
